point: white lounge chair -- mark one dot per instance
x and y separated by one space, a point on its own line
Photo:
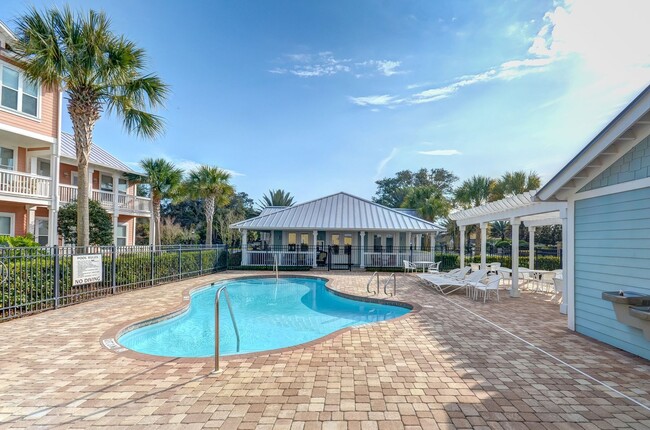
448 286
455 275
491 284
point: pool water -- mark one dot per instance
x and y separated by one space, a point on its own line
269 315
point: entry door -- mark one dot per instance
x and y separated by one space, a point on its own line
41 231
43 167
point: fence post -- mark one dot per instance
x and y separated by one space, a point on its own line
411 253
201 260
113 268
180 268
329 258
152 249
57 275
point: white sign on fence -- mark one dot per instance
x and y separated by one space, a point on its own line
86 269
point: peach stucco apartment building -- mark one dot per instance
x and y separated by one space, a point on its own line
38 171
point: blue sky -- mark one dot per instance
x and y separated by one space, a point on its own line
320 97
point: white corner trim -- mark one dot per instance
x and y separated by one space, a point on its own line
613 189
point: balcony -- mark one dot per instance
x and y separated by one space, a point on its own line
24 186
126 203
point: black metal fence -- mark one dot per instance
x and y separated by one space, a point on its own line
41 278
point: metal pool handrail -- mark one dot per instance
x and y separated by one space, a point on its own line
216 324
392 275
276 267
370 282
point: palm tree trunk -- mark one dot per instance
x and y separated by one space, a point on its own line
84 111
156 219
209 216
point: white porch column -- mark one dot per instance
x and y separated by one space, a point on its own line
31 220
91 172
484 245
116 212
409 240
514 290
55 169
462 246
433 246
315 236
531 248
244 247
362 258
564 306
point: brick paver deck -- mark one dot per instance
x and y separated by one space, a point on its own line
446 366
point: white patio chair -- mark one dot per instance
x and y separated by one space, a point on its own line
506 276
494 267
546 281
491 284
475 266
434 268
409 267
558 286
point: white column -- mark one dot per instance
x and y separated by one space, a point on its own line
152 230
433 246
409 240
91 172
531 248
362 261
55 168
462 246
31 219
514 290
315 236
565 251
244 247
116 212
483 245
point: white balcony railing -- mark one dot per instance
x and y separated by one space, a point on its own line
24 184
126 203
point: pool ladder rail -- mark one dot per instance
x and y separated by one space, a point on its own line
374 276
217 298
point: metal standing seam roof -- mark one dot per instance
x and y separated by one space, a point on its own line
98 155
339 211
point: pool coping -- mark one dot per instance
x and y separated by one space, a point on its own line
108 339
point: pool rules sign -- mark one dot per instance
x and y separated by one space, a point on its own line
86 269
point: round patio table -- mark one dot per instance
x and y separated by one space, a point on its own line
423 263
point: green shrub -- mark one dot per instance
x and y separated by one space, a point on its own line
503 243
26 241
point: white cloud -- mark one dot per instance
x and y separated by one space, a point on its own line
441 152
382 100
326 64
382 164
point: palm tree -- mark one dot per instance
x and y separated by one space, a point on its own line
211 185
499 229
513 183
276 198
164 181
473 192
428 201
98 71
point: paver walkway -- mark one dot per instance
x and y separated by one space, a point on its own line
443 367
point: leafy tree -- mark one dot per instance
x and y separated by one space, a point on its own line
98 71
276 198
212 186
174 234
513 183
548 234
392 191
101 224
163 180
428 201
499 229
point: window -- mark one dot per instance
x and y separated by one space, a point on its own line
6 224
74 178
7 158
336 242
17 92
389 243
122 185
347 241
41 232
304 241
106 183
120 234
377 243
292 241
43 167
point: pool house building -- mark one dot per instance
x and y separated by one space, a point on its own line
337 231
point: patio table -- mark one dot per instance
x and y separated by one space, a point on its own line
423 263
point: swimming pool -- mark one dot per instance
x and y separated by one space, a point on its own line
269 314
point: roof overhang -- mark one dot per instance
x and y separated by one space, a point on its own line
621 135
523 207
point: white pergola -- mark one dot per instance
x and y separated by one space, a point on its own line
522 208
